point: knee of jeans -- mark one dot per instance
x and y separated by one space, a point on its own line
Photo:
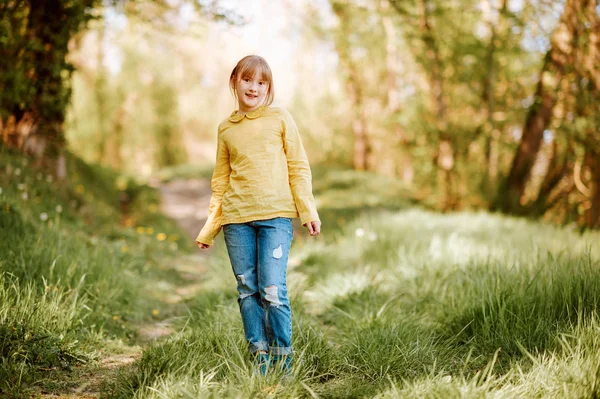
272 296
244 290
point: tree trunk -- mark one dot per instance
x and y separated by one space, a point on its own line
540 114
392 102
591 65
99 94
44 26
362 147
445 152
593 216
558 168
493 18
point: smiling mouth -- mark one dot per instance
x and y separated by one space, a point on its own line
251 95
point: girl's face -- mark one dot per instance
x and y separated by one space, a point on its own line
251 92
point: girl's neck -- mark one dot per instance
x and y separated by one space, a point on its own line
245 111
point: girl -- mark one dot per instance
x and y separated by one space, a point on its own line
261 181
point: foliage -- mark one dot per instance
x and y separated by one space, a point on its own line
35 82
74 269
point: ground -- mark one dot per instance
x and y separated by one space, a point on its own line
185 201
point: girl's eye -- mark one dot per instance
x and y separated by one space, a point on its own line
261 83
246 80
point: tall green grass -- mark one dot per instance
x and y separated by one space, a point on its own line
75 272
397 301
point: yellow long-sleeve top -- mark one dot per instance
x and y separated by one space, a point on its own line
261 172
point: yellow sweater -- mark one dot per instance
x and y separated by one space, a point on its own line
261 172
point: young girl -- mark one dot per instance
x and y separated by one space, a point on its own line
261 181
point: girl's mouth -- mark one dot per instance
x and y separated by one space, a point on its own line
251 95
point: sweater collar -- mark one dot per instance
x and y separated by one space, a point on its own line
236 116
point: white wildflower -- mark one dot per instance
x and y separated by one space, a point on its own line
21 186
18 172
25 196
58 208
359 232
44 216
372 236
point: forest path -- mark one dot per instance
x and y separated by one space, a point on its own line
186 202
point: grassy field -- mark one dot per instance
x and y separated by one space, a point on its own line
392 300
75 271
396 301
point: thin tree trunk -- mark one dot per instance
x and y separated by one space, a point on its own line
99 93
493 18
362 147
540 114
392 101
445 152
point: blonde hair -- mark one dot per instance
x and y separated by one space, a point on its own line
249 66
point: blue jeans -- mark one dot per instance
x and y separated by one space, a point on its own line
258 252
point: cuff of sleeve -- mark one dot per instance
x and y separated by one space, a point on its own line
204 240
207 234
309 214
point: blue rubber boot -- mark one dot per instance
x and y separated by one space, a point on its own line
283 363
263 362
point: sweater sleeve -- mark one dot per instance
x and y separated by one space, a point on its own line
219 184
299 171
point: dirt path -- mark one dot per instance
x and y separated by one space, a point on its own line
185 201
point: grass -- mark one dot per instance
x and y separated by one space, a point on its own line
74 269
397 301
392 300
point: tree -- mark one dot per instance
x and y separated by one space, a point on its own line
558 60
34 88
354 84
35 80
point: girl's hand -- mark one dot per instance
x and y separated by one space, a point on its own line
314 227
202 245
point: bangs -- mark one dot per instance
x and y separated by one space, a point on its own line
252 67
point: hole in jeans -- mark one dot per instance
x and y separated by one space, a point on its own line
241 279
272 295
278 252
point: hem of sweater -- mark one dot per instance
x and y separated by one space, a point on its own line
246 219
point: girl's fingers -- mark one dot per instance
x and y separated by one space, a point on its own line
310 228
317 227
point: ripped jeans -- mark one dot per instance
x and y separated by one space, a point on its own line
258 252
